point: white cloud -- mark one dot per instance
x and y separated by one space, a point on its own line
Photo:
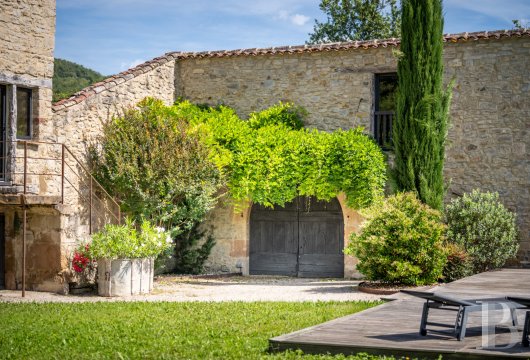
299 19
295 19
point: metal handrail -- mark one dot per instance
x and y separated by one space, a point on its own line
84 180
65 153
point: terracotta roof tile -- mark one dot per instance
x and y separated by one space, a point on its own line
338 46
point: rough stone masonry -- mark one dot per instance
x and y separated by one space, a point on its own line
488 138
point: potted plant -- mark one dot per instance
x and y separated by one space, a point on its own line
125 257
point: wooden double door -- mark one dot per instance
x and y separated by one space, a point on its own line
305 238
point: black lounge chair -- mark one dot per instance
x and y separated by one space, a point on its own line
462 308
526 327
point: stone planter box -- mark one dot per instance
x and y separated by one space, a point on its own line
124 277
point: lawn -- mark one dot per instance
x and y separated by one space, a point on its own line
134 330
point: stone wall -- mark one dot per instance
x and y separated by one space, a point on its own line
337 87
26 60
27 41
489 140
44 260
489 137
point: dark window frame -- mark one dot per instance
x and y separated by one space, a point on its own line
382 120
29 119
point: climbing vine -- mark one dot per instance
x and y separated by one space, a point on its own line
270 158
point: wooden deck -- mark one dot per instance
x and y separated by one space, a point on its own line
392 328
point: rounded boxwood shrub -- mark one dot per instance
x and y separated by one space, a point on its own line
481 224
402 242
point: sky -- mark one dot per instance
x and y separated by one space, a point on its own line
111 36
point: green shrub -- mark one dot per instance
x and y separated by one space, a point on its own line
158 168
283 113
400 242
129 242
189 255
459 264
481 224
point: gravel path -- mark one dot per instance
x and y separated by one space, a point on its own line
238 288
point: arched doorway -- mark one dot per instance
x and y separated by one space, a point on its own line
304 238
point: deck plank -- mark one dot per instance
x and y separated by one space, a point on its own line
392 328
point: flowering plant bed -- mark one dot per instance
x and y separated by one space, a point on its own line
82 274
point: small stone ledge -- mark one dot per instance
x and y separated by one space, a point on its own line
40 200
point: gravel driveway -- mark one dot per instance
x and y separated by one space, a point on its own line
237 288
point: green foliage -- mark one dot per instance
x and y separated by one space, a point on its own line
167 163
481 224
128 242
520 24
162 330
283 113
157 168
420 127
459 263
400 242
69 78
189 255
269 161
349 20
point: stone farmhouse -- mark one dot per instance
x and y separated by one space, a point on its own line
48 199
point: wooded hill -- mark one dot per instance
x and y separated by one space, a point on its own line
69 77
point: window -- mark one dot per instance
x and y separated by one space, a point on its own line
24 110
385 106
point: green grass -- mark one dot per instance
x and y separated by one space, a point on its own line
141 330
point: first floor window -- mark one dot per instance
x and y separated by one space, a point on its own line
24 109
385 106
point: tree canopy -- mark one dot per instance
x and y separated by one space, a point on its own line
349 20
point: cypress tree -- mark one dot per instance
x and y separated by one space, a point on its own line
420 128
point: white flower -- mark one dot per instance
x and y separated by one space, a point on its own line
160 229
168 239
